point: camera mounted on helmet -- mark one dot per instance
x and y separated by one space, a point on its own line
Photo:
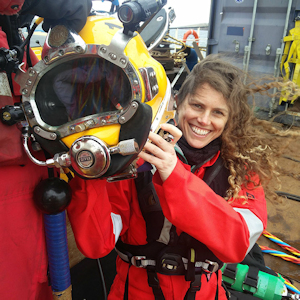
132 13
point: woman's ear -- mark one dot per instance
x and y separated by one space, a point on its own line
176 118
176 100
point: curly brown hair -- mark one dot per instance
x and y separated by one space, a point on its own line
244 149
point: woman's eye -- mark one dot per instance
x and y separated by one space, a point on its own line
197 105
218 112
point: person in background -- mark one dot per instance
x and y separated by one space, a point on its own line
204 205
23 257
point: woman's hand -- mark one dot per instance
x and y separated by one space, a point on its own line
161 153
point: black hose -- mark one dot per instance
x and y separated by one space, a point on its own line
102 279
29 62
30 33
289 196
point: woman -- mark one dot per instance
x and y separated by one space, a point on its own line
204 205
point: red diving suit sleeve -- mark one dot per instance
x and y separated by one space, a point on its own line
96 220
229 230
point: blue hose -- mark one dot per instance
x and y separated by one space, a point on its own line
57 248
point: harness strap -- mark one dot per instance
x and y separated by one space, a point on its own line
230 272
126 285
251 279
168 264
194 278
190 272
213 171
228 294
154 283
144 262
194 288
217 291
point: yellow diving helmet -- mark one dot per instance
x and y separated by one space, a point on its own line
93 98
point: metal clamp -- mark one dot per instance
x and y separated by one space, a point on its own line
213 266
137 261
129 173
268 49
237 46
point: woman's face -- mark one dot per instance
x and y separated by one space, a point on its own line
202 117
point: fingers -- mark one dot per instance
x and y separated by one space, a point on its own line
161 153
167 132
174 131
164 160
158 146
146 155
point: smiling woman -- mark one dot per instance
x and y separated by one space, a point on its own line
213 105
205 195
203 116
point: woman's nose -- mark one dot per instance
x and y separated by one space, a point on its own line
204 119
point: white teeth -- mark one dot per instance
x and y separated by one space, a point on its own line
200 131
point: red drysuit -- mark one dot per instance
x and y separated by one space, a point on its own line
100 212
23 257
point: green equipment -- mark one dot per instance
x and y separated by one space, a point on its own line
251 280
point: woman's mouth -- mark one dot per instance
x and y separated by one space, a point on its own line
199 131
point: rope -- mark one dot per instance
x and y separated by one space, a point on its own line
280 254
291 287
287 257
180 43
180 55
282 244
